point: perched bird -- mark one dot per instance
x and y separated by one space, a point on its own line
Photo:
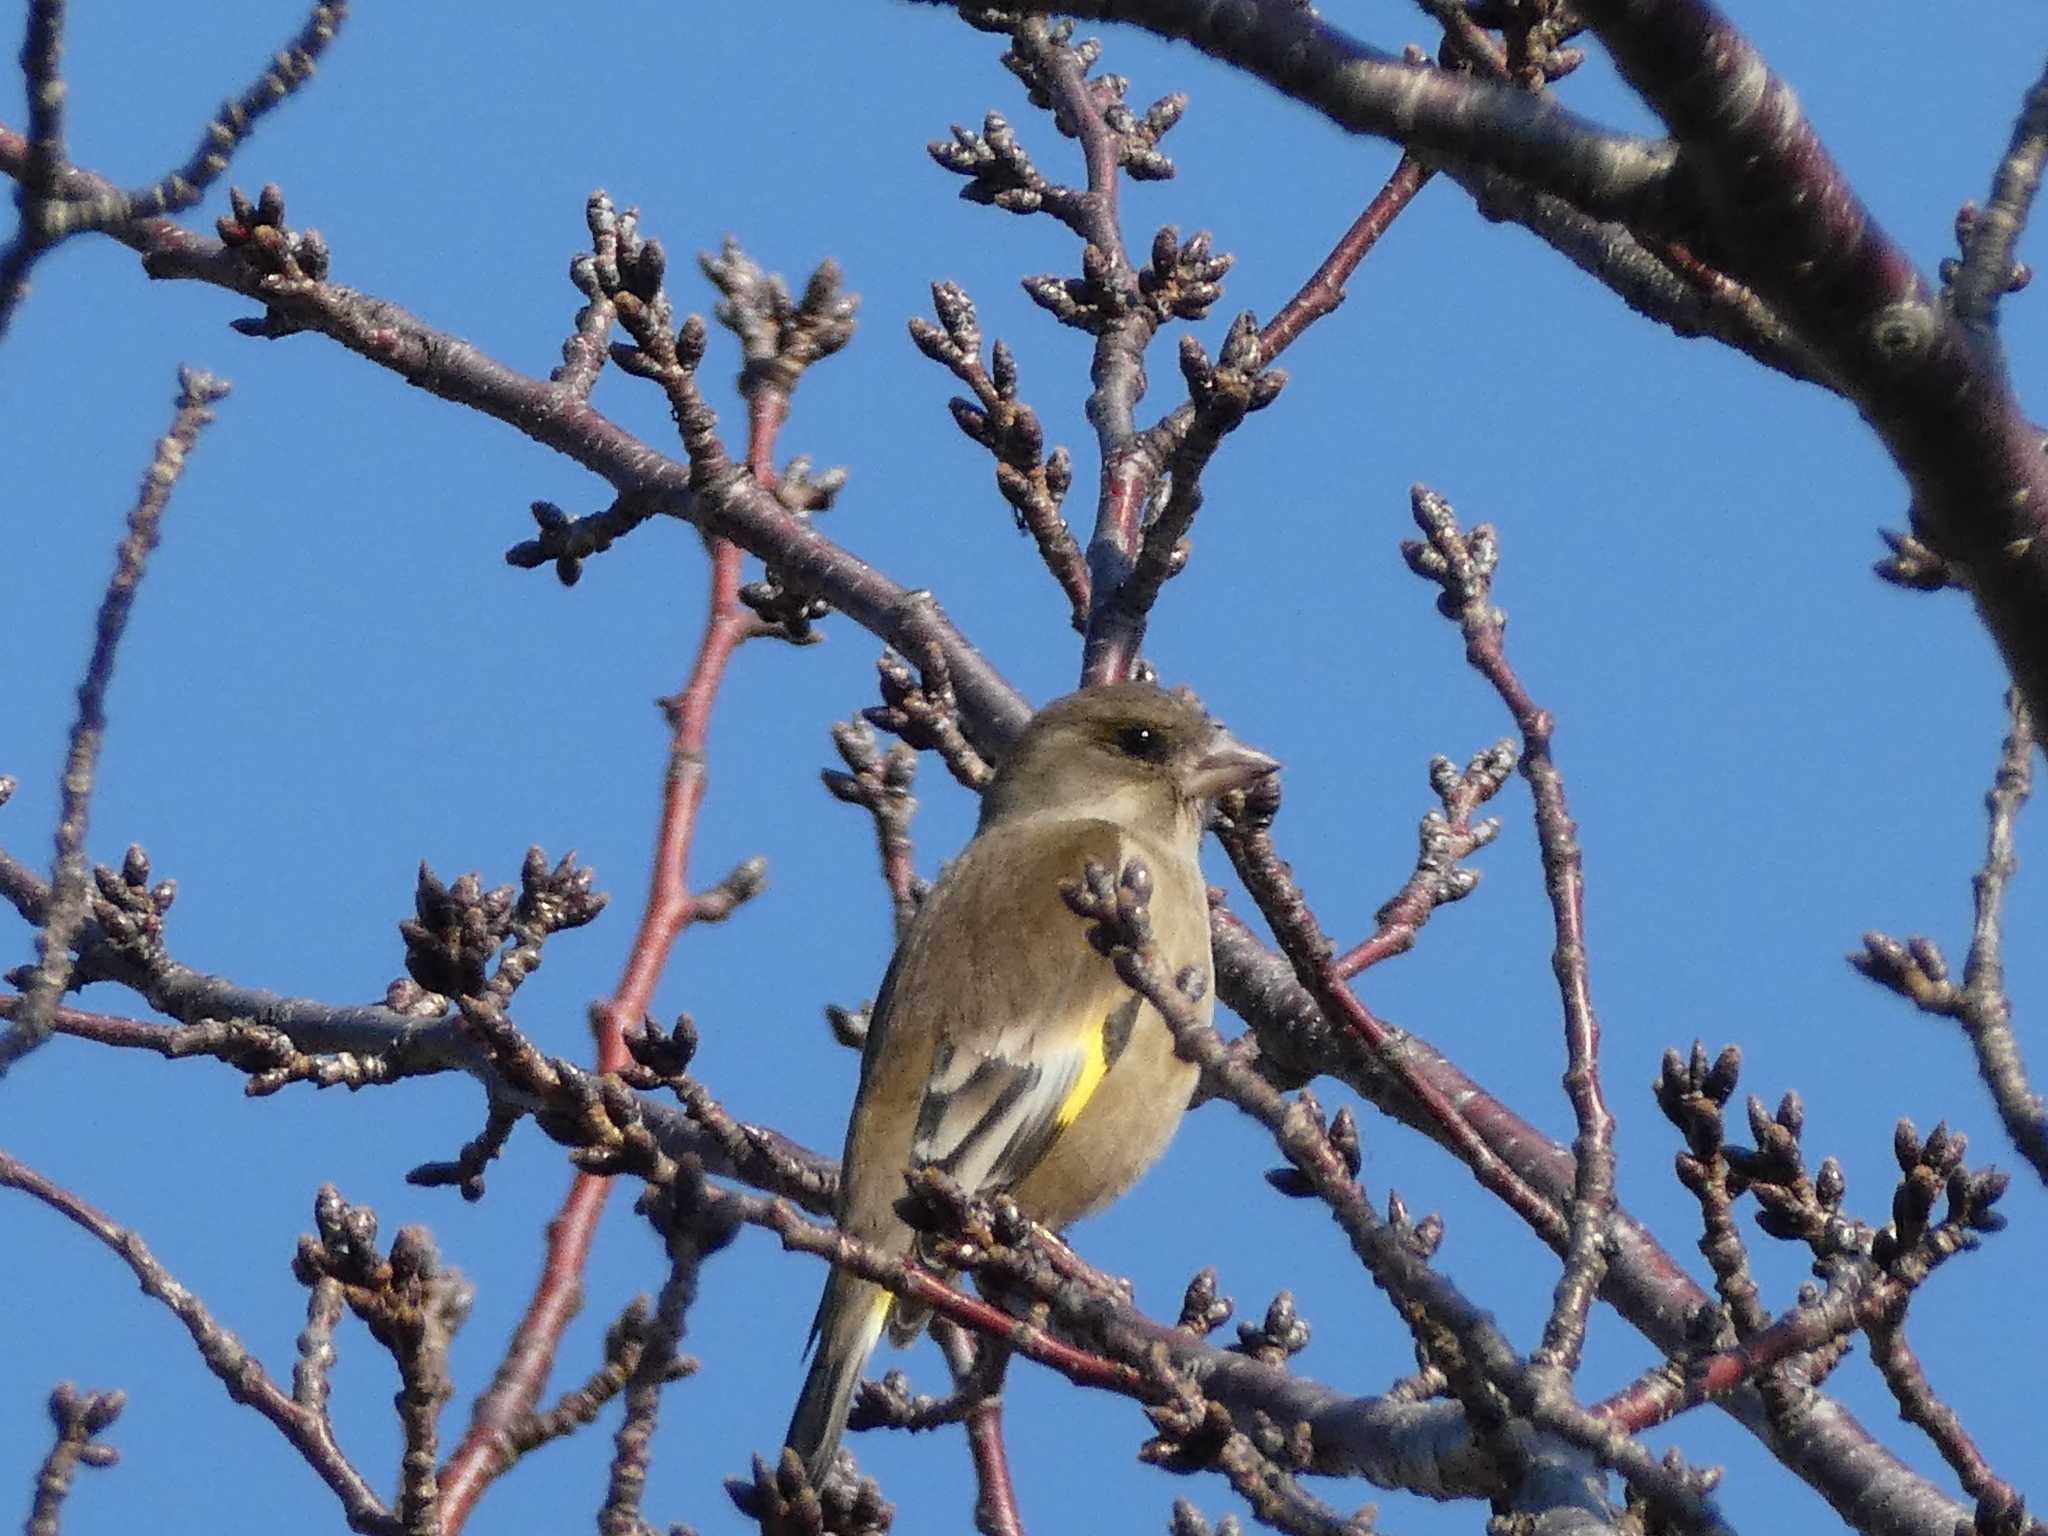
1003 1050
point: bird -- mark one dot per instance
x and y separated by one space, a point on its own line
1003 1050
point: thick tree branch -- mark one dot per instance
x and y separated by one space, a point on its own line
1785 221
1439 113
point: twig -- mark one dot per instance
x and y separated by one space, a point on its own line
924 710
905 1278
776 352
693 1230
1277 1498
1999 1505
35 197
1245 830
1448 837
1917 971
1034 486
1693 1093
263 1051
412 1304
50 212
1324 290
1987 1010
1987 272
995 1506
1463 567
70 878
288 69
625 1346
78 1417
240 1372
1223 393
880 782
1487 1376
584 352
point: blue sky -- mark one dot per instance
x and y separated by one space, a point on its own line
332 674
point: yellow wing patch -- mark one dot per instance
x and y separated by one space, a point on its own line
1093 1070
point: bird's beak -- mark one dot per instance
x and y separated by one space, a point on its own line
1229 764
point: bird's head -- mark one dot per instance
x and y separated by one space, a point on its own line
1130 753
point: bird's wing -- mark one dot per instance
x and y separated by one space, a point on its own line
997 1019
989 1114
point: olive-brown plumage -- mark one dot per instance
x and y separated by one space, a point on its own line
1003 1049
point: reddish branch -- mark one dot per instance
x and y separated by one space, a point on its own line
1146 555
1659 1398
995 1511
671 906
1246 833
978 1366
1324 290
1448 836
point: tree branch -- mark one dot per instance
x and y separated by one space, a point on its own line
305 1429
1987 271
79 1418
70 892
1437 112
1917 971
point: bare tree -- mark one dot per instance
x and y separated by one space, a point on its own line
1734 225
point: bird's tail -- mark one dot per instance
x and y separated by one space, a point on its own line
849 1321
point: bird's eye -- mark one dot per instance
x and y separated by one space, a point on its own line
1141 741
